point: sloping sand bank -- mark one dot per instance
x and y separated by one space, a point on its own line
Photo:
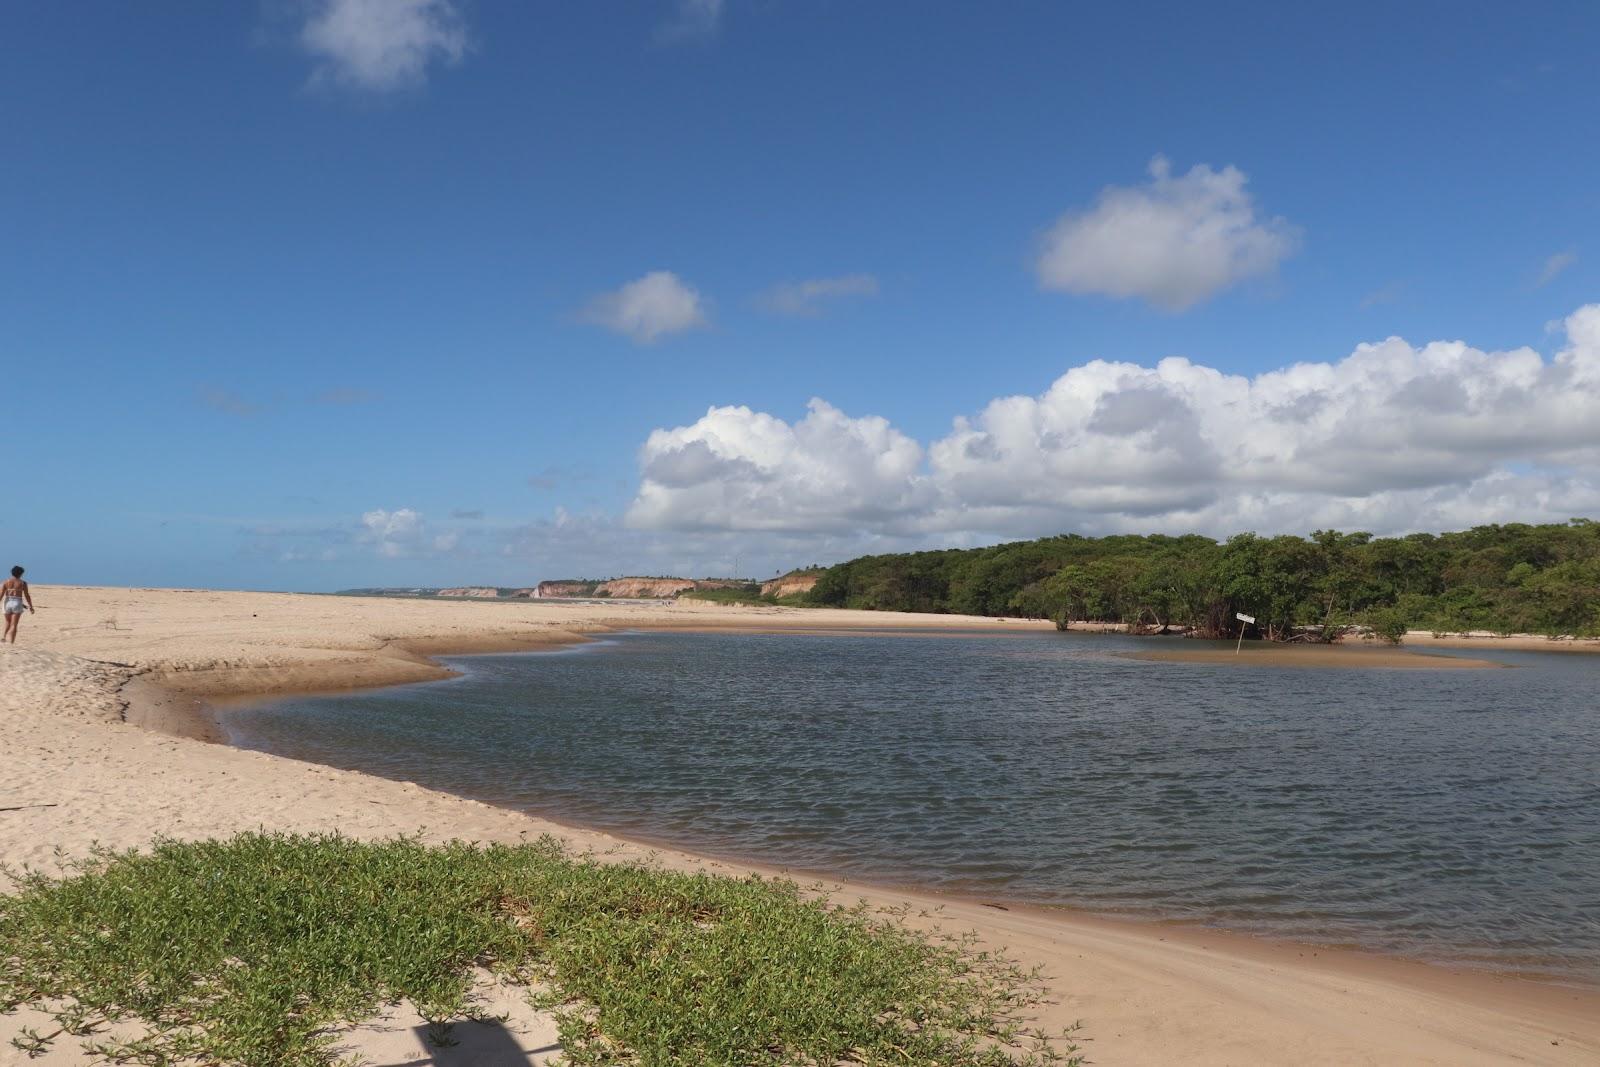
1273 654
77 773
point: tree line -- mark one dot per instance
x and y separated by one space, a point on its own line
1514 578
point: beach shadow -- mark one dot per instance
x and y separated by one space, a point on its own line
474 1044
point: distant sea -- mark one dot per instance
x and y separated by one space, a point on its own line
1450 816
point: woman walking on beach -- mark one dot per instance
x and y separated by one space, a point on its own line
14 591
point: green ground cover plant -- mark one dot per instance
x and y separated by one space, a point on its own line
743 594
249 950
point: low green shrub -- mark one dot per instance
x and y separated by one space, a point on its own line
1389 624
750 594
248 951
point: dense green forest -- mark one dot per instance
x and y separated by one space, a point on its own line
1509 579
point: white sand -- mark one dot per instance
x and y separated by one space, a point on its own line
76 773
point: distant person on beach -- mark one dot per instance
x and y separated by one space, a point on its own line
15 593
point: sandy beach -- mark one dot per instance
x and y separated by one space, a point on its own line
97 714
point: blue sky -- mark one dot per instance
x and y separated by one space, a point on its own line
348 292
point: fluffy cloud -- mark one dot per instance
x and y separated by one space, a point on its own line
648 308
398 534
737 469
382 45
1392 437
393 534
1174 241
405 534
805 298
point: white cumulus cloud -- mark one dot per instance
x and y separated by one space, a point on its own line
806 297
382 45
1173 241
1392 437
648 308
404 533
393 534
737 469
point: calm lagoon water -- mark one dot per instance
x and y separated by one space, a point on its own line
1448 815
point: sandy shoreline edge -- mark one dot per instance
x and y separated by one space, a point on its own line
1147 992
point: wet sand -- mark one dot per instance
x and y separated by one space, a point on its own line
1271 654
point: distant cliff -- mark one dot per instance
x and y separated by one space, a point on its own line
569 587
721 590
792 584
630 588
645 588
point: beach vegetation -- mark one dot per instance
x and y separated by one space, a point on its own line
743 593
1390 624
256 949
1513 578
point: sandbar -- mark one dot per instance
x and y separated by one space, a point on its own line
1274 654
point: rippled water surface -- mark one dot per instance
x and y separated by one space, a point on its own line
1449 815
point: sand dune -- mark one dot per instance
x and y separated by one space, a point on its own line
78 772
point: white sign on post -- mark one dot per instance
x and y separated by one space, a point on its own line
1247 620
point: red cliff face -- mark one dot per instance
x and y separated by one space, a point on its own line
629 588
790 584
646 588
564 589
